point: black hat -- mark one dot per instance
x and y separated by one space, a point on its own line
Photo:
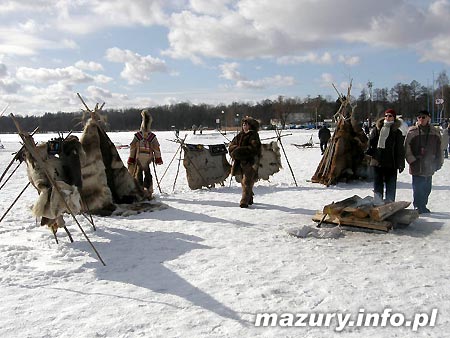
423 112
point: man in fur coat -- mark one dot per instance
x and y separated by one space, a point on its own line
424 155
387 151
245 150
143 150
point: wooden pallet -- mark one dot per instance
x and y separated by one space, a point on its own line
365 223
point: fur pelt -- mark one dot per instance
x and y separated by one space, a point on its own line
204 169
105 178
269 162
50 205
147 120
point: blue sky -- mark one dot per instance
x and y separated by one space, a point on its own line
138 53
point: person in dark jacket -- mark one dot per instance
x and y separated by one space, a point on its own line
387 151
424 156
245 150
324 137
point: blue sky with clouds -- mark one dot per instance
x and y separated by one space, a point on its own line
139 53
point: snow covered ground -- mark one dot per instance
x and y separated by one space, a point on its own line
205 267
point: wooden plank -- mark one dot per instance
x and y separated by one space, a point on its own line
382 212
365 223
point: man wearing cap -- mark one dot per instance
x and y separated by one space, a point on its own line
387 151
424 156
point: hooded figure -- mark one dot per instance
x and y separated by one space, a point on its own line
386 147
143 150
245 150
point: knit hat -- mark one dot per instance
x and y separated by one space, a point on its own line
392 112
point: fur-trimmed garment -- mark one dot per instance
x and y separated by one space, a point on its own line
245 150
144 149
393 154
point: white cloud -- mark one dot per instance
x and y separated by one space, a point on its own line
349 60
89 65
9 86
211 7
438 50
69 75
137 68
230 72
326 79
311 57
275 81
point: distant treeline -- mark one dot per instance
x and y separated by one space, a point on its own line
406 99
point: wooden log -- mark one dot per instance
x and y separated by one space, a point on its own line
336 208
382 212
359 212
404 216
365 223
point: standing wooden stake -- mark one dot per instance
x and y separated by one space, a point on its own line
278 132
178 149
17 198
10 175
156 177
16 156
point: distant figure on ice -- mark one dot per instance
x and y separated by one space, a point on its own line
424 156
387 151
245 150
324 137
445 140
143 150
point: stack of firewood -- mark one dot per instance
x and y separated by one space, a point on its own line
363 213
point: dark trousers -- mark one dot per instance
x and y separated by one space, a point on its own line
421 190
145 179
323 146
385 177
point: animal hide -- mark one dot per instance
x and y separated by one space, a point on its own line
50 204
105 178
205 167
269 162
344 156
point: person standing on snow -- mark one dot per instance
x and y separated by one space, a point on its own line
324 137
424 156
387 151
144 149
245 150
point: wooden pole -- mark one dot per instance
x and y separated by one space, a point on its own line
16 156
10 175
17 198
178 168
278 132
156 177
178 149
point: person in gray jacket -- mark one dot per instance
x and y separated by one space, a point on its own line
424 156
